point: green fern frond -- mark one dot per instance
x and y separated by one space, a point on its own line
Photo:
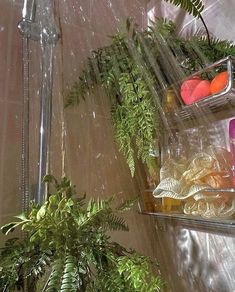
194 7
218 49
95 207
64 275
135 270
54 282
96 214
70 278
73 96
197 53
38 263
134 118
162 26
71 251
131 161
11 258
126 205
108 281
116 223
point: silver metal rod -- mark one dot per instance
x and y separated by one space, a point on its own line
28 15
27 25
45 122
28 12
44 31
48 39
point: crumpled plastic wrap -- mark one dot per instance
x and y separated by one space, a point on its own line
188 179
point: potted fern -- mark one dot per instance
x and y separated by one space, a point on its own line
66 248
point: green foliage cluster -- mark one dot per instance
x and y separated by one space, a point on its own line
67 247
133 70
133 110
192 52
194 7
134 119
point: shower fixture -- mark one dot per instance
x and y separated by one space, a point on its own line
37 24
27 26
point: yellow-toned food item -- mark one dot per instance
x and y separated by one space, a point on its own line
170 205
218 181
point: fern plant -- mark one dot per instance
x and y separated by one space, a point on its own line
134 114
67 248
134 119
193 52
194 7
133 68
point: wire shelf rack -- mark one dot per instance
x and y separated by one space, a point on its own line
221 102
215 102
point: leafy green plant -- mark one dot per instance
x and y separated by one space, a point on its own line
67 248
192 52
127 71
194 7
134 114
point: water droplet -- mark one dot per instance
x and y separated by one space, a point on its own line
98 156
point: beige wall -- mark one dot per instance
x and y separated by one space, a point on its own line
10 109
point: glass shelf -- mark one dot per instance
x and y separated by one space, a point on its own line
195 222
186 219
209 190
231 190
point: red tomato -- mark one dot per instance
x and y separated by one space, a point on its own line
219 82
194 89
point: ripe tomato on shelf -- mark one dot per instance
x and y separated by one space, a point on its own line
219 83
192 90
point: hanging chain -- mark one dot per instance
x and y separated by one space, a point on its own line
25 129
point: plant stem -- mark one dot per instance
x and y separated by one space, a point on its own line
206 28
46 284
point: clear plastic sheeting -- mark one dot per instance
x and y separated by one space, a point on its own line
198 259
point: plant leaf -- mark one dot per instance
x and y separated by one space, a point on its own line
7 228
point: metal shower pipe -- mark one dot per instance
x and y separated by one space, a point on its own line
44 30
48 39
28 12
25 27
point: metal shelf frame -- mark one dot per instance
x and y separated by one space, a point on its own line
213 103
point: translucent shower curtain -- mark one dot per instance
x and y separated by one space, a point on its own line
196 257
